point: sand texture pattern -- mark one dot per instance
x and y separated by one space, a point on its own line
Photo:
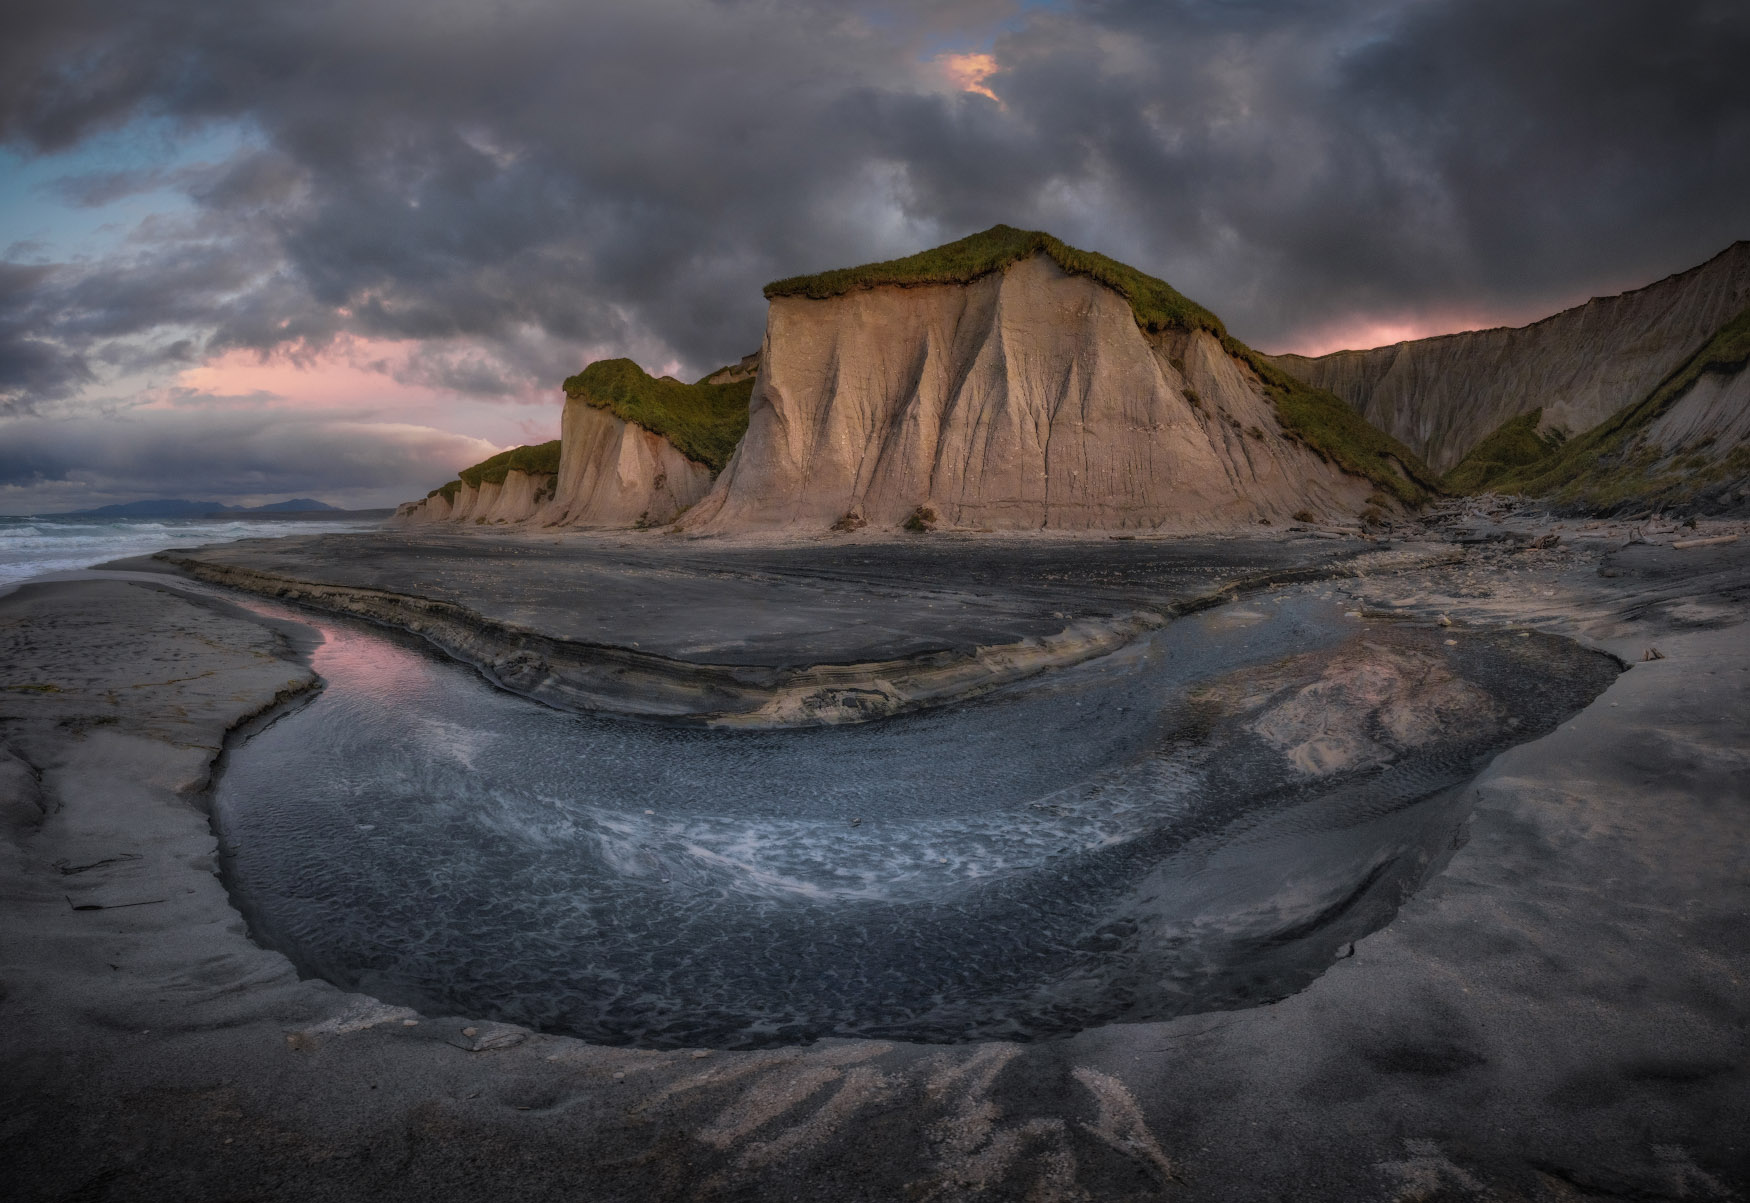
1026 399
739 638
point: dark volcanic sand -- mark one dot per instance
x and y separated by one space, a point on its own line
832 602
1559 1014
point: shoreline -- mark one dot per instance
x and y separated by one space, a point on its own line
1602 880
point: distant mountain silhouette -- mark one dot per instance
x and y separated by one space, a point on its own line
178 508
301 505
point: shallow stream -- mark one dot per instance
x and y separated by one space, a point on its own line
1202 821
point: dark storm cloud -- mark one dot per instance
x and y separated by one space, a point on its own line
210 451
1292 163
33 366
514 184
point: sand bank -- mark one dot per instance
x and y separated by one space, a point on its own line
766 634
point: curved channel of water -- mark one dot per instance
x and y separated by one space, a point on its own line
1199 822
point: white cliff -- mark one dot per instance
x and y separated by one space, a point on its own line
614 473
1028 398
517 498
1714 413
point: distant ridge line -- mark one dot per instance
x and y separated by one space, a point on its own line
176 507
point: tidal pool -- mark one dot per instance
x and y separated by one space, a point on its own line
1199 822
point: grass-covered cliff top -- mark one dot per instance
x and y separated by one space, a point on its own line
1610 465
1333 429
1156 304
534 459
1316 417
540 457
703 421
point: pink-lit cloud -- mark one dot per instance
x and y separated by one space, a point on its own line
1360 333
968 72
351 424
227 450
361 378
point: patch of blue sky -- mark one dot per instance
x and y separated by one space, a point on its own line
83 202
983 41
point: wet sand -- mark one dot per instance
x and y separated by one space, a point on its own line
1559 1014
759 634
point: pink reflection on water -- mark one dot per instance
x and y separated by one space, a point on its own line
373 669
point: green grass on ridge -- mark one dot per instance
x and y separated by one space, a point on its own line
534 459
1609 466
540 457
1338 433
1156 304
703 421
1514 445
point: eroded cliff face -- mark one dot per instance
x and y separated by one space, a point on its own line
1441 396
1026 399
614 473
1695 456
1712 415
515 499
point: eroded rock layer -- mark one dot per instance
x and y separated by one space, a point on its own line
517 498
1442 396
1714 412
1028 398
612 473
616 473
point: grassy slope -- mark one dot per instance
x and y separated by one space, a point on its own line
1317 418
1512 446
541 457
703 421
1608 467
1332 428
536 458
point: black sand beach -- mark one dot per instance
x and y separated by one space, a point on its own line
1557 1013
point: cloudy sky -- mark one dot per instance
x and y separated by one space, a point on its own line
252 250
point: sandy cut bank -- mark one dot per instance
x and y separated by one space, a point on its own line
533 648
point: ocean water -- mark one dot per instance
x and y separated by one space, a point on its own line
33 547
